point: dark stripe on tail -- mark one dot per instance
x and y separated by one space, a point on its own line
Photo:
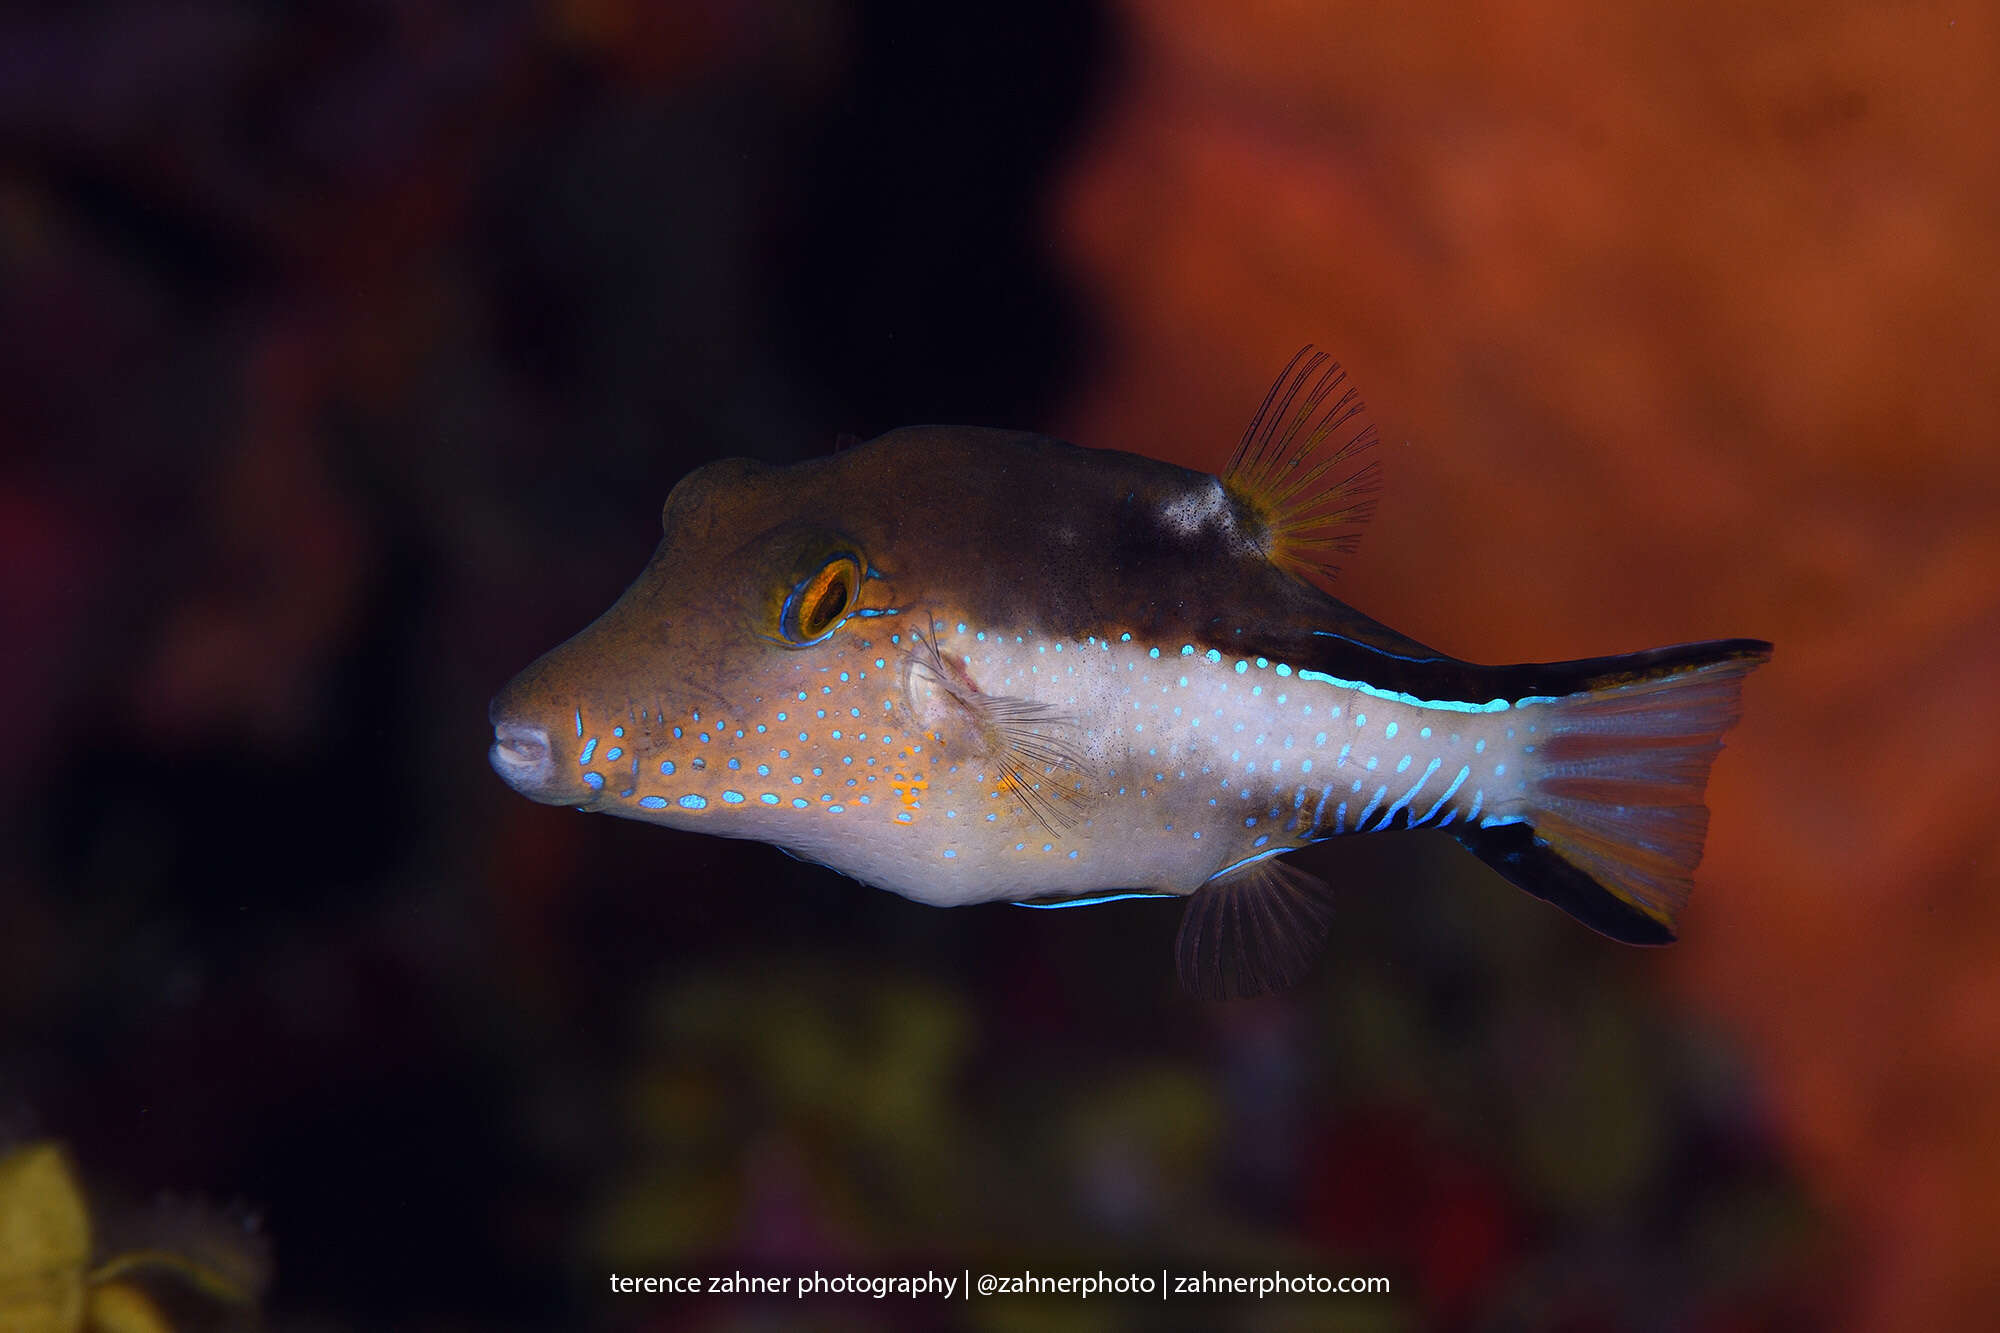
1527 862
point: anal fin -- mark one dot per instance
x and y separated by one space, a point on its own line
1255 928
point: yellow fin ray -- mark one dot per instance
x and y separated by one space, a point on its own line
1301 470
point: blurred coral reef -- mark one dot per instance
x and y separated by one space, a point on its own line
347 357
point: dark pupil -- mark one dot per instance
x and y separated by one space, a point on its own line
827 605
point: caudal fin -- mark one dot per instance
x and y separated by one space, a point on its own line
1615 818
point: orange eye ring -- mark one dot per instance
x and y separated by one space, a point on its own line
820 601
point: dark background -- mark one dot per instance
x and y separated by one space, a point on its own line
347 354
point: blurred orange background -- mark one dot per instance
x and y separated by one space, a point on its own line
1679 322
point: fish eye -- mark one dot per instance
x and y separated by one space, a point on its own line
819 601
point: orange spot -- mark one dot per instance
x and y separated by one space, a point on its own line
908 785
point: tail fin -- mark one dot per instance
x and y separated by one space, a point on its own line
1615 815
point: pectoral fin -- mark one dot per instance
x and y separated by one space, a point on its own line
1023 747
1254 928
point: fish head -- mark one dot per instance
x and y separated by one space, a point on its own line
664 706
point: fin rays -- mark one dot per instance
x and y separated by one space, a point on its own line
1027 742
1299 467
1255 929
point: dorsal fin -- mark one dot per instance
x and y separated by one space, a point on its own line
1302 468
1254 928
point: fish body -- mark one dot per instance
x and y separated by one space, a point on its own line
969 665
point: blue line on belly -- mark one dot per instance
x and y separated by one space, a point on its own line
1092 901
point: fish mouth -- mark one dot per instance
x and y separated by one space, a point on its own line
526 761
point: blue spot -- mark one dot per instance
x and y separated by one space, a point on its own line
691 802
1499 770
798 781
614 752
1361 719
843 675
880 663
835 809
653 802
1214 655
677 733
667 767
1320 739
768 798
1305 765
1479 746
798 803
1403 763
733 797
594 781
1425 733
1263 662
704 738
949 853
1152 652
1261 840
736 763
1284 670
1242 667
589 749
579 724
1390 731
1048 846
1187 650
618 731
760 728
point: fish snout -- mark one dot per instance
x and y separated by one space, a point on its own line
526 761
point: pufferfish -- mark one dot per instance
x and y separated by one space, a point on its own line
971 665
